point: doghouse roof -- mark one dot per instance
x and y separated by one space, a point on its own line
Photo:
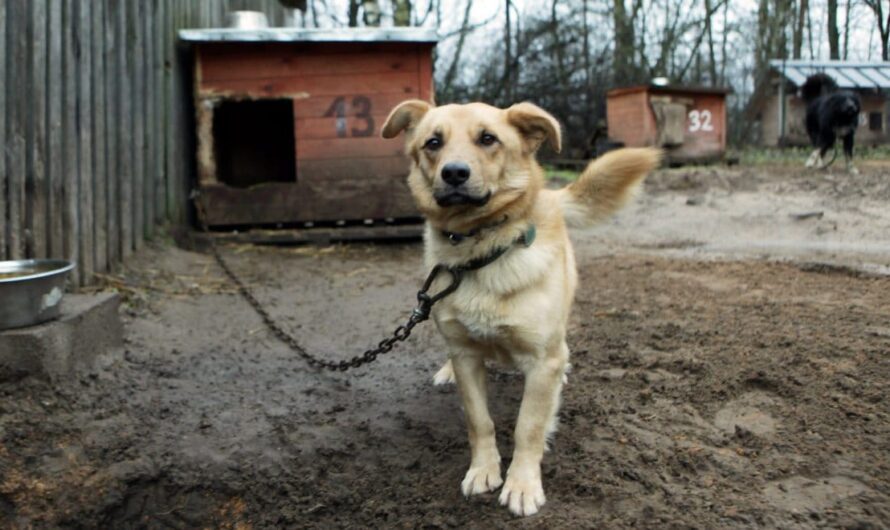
310 35
846 74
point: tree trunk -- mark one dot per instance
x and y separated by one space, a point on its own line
458 50
401 15
802 9
353 12
877 8
508 39
833 47
712 61
371 13
624 43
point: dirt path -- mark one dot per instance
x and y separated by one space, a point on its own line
705 393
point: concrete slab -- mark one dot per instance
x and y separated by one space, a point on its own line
88 326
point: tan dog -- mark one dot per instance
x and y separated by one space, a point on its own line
475 178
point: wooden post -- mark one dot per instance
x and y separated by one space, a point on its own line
70 222
85 142
113 145
101 174
37 138
4 225
16 154
55 94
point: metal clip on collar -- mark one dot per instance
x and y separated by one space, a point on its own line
425 301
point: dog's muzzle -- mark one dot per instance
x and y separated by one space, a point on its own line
460 196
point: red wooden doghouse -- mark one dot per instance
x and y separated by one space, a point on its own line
689 122
289 120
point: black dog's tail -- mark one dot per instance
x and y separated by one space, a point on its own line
817 85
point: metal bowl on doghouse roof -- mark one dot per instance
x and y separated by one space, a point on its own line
31 291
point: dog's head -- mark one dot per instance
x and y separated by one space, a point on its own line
472 161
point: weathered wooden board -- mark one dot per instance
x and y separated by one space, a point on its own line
329 107
55 91
4 225
125 152
37 138
16 145
224 62
70 168
321 85
113 145
85 212
100 173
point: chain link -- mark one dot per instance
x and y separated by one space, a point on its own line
420 313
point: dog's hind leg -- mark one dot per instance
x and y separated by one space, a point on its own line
814 159
485 465
848 154
523 492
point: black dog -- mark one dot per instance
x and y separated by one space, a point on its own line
830 113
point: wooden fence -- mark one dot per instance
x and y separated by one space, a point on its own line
96 124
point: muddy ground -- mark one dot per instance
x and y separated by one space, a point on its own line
731 370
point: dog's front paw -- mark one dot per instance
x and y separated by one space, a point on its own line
445 375
523 492
480 479
852 170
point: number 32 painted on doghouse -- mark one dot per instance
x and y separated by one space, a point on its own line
362 106
700 120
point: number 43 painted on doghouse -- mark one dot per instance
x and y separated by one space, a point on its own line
362 106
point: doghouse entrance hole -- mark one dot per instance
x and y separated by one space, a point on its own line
254 142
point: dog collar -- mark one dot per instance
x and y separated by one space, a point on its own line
526 240
456 238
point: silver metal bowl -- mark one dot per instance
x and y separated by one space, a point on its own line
31 290
247 20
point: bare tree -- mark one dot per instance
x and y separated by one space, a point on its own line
624 41
401 15
833 44
712 61
507 54
802 8
354 7
458 50
881 10
371 12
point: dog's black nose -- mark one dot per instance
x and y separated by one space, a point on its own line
455 173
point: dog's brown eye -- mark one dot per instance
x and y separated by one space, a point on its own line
488 139
433 144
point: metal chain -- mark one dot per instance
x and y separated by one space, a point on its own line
400 334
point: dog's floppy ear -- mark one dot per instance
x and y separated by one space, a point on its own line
404 116
535 125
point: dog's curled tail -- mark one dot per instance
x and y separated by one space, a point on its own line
607 184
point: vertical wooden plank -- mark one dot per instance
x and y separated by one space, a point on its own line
69 171
37 153
55 96
16 154
85 141
148 104
158 94
113 115
125 117
4 223
137 57
169 61
177 114
100 172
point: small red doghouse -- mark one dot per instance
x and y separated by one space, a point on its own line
289 120
689 122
